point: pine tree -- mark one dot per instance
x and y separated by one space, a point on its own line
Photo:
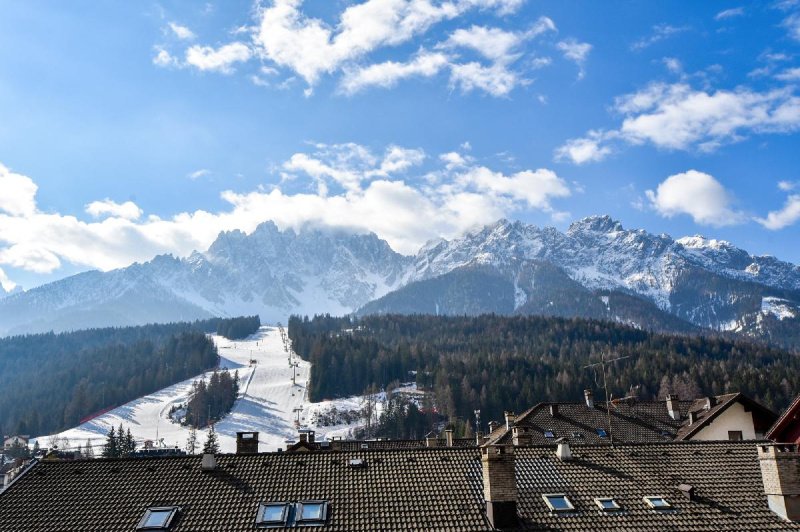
88 451
130 444
111 447
212 444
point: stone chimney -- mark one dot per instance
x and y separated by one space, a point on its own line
306 436
710 403
692 417
563 451
780 471
246 442
554 410
511 417
499 485
521 436
589 397
672 407
431 441
209 462
448 437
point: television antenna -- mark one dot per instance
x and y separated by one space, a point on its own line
603 362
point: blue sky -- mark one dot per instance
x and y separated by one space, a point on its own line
134 128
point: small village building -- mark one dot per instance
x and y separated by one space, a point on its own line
787 428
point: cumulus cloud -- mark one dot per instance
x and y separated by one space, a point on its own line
697 194
5 283
792 25
729 13
577 52
659 33
17 193
389 73
222 59
790 74
128 210
494 79
591 148
357 190
678 117
181 32
164 59
788 215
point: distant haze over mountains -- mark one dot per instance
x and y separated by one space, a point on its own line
595 269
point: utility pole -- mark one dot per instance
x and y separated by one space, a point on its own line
603 362
294 372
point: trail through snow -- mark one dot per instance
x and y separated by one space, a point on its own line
268 402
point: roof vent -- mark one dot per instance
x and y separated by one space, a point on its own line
357 463
209 462
687 490
563 452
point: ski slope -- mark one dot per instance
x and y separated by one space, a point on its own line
268 403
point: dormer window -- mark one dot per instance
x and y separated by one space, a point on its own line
158 518
658 503
272 514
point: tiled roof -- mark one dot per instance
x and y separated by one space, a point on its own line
631 421
706 415
357 445
402 489
791 414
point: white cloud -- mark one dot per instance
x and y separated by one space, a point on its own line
786 186
788 215
591 148
790 74
220 59
577 52
659 33
164 59
678 117
495 79
673 65
387 74
370 194
492 43
697 194
729 13
128 210
181 32
792 24
197 174
17 193
453 160
5 283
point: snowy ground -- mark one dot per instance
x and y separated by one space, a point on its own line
267 403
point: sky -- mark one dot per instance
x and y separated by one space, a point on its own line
129 129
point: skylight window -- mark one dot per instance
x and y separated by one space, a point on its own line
558 502
312 512
272 514
607 504
158 518
602 433
549 434
657 503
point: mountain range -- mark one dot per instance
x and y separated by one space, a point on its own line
595 269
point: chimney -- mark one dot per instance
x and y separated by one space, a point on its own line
246 442
672 407
209 462
499 485
687 490
553 410
563 452
431 441
589 397
710 403
492 426
448 436
520 436
511 417
692 417
780 471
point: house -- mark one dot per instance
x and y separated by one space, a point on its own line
731 416
15 441
787 428
695 485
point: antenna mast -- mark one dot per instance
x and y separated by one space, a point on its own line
602 364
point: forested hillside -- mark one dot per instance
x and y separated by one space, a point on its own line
49 382
496 362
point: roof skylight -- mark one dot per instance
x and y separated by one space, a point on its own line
558 502
602 433
549 434
657 503
272 514
158 518
311 512
607 504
